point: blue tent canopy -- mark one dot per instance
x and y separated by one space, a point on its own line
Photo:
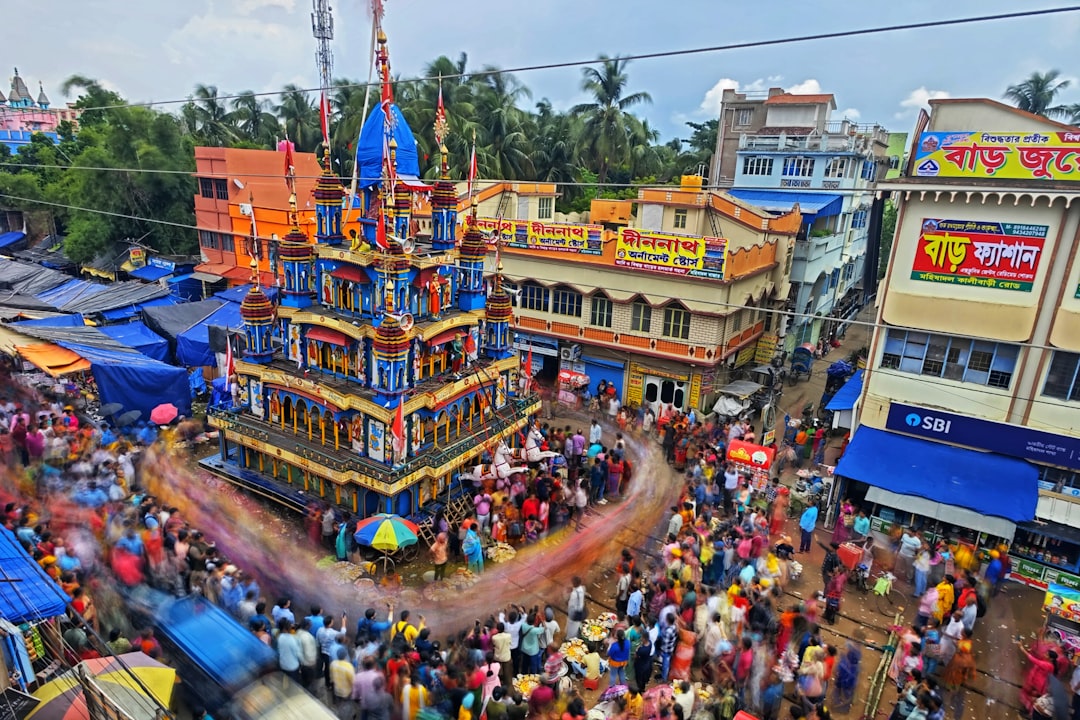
985 483
130 311
150 273
849 392
811 204
193 345
139 337
26 592
135 381
10 238
55 321
238 293
369 148
71 291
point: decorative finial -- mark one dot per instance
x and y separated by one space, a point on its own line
254 272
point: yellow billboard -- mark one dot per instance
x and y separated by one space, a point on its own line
1006 155
670 254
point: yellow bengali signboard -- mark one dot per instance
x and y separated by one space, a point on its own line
1006 155
670 254
766 348
537 235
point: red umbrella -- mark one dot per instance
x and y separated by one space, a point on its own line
164 414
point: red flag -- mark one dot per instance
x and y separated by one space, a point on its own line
397 432
324 113
440 118
472 169
380 231
287 147
528 365
230 365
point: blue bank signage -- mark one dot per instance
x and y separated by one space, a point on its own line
1012 440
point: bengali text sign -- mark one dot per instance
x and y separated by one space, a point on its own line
988 254
1012 155
537 235
671 254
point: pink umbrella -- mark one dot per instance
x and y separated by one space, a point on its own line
164 414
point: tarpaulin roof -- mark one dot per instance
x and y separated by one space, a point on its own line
10 238
135 381
848 394
150 273
53 359
116 295
193 345
27 594
19 301
85 335
71 291
811 204
986 483
129 311
369 147
54 321
237 294
39 281
137 336
171 320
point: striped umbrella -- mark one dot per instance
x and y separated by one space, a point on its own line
63 698
386 532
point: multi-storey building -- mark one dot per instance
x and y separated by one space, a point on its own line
786 149
21 115
971 404
387 365
663 304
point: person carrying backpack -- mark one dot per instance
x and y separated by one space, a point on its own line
402 634
368 628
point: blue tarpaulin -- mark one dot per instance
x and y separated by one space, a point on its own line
135 381
130 311
369 148
849 392
55 321
139 337
71 291
150 273
10 238
238 293
27 594
193 345
811 204
985 483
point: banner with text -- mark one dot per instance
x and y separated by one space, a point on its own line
671 254
982 254
1018 156
536 235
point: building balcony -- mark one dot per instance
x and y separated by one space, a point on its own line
843 136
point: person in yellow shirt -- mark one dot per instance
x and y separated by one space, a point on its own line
635 704
407 631
414 698
946 595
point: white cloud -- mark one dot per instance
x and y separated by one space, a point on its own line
763 84
850 114
918 99
806 87
714 98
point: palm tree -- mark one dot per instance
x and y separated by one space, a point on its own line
554 155
299 117
252 118
93 96
213 125
1037 94
606 131
503 144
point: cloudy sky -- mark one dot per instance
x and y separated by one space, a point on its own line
160 50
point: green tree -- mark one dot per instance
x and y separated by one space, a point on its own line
254 121
300 118
888 230
94 100
1038 92
213 124
503 146
606 133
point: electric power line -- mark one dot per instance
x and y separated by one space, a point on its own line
656 55
729 306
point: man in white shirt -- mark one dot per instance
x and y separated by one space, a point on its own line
731 484
595 433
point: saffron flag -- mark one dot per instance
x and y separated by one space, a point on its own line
440 118
286 146
324 116
397 432
528 365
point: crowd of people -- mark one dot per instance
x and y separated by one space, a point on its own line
708 610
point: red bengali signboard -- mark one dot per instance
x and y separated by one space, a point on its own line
750 454
997 255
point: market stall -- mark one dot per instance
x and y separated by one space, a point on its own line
570 386
753 460
1061 607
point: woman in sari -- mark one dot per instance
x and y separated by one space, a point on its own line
684 653
1038 676
847 677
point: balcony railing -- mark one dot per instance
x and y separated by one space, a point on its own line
348 461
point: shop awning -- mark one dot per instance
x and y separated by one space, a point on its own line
741 388
206 277
910 469
150 273
322 334
848 394
27 593
53 359
811 204
949 514
351 273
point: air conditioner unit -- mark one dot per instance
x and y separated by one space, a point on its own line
570 353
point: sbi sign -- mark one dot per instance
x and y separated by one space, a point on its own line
928 422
